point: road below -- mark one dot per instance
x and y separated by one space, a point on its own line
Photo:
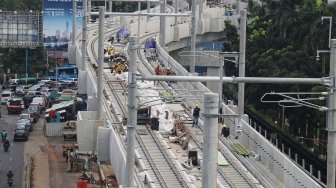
13 159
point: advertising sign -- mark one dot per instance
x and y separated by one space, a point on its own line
57 23
20 29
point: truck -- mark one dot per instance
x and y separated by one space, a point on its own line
69 131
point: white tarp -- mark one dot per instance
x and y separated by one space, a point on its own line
148 95
60 105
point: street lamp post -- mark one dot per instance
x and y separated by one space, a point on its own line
283 119
330 26
26 76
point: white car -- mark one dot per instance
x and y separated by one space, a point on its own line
40 100
6 95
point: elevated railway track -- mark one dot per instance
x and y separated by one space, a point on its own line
161 167
159 164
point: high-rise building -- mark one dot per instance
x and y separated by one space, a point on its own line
58 34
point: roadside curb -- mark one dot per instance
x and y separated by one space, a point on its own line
101 173
27 173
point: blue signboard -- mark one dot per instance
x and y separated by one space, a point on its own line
57 23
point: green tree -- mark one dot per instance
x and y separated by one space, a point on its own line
282 39
14 59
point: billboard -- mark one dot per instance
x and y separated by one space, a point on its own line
20 29
57 23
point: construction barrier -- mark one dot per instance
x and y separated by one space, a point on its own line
82 184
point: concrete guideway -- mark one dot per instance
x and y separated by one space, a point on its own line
168 58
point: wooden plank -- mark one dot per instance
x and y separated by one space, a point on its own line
177 138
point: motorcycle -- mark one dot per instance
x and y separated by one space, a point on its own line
6 148
3 138
89 179
10 182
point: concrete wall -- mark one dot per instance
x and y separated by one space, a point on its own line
54 129
271 157
117 155
103 142
87 128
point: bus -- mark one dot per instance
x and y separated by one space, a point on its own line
27 81
64 72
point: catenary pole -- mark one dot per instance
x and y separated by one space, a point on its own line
193 36
132 112
200 13
331 152
148 9
139 10
220 89
176 11
110 7
210 138
237 6
100 61
89 12
242 48
84 35
162 24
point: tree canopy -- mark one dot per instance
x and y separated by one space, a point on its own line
282 41
14 59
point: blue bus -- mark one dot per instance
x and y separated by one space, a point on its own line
64 72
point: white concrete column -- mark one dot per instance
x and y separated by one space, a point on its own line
100 62
132 112
331 121
210 140
163 24
193 37
84 35
213 86
74 12
242 49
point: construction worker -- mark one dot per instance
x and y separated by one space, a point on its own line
157 71
195 114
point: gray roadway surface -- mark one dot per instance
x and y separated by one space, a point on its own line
13 159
